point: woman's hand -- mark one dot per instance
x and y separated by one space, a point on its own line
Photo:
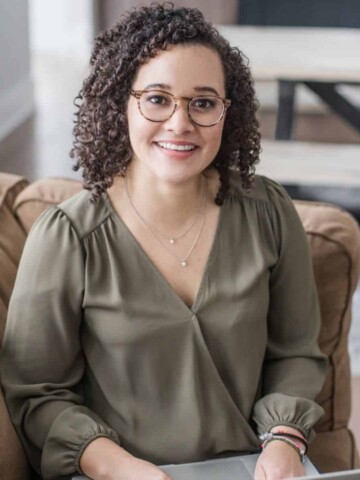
102 459
134 468
277 461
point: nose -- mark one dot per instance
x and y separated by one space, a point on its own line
180 122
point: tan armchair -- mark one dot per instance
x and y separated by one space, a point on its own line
334 238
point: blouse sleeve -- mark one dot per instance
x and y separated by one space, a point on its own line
294 368
42 360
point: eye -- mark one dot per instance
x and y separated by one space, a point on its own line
157 99
203 103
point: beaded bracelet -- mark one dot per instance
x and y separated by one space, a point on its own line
269 436
281 433
299 435
288 442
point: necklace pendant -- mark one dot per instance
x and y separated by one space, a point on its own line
172 241
184 263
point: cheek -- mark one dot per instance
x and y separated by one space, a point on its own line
215 135
132 120
134 116
140 129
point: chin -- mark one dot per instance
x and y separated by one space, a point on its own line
176 178
174 173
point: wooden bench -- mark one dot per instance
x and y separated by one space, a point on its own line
322 59
315 171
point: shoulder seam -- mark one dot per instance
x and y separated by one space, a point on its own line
86 234
97 226
56 207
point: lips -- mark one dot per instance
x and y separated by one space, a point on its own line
176 146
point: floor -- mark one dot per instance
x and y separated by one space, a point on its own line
40 148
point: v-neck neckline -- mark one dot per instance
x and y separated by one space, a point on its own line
193 309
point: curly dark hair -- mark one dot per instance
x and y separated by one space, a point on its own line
101 140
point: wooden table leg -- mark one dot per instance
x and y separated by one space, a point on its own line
285 115
337 102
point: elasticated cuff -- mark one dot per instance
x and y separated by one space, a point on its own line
279 409
70 434
86 443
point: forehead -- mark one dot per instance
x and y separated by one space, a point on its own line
183 68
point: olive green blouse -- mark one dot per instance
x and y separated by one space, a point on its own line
98 344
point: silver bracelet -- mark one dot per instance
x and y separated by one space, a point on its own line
269 437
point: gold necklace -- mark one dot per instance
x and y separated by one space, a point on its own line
172 240
183 260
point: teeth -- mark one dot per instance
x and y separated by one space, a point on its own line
171 146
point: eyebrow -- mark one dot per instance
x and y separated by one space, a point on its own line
158 85
168 87
206 89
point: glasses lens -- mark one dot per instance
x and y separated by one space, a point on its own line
156 105
206 111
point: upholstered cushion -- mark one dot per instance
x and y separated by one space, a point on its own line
335 246
13 465
40 195
334 451
12 238
334 238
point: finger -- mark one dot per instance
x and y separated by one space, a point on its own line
259 473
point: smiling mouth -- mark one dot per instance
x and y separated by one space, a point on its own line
178 148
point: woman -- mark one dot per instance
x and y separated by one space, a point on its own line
172 313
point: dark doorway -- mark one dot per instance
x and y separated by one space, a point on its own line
300 13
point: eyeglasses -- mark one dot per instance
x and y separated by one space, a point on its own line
158 106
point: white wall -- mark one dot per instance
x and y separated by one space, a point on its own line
61 26
16 89
217 11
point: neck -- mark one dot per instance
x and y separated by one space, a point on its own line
165 203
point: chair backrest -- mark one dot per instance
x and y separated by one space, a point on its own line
13 465
334 239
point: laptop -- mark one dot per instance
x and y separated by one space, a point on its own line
243 467
347 475
229 468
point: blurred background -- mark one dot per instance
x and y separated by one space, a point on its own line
45 47
44 54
